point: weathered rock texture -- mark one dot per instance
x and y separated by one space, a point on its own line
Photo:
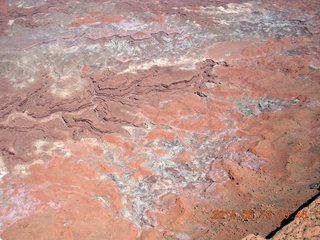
123 120
303 227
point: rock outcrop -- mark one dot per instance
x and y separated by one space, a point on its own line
162 120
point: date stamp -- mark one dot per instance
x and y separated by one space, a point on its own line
251 214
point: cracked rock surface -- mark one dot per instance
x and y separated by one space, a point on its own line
123 120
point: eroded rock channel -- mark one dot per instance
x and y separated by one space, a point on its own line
122 120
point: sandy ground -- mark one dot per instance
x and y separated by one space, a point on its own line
164 120
306 225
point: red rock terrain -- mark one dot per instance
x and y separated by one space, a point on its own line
159 119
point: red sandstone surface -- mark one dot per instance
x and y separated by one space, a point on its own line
159 119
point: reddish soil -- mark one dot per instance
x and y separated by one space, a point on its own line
166 120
